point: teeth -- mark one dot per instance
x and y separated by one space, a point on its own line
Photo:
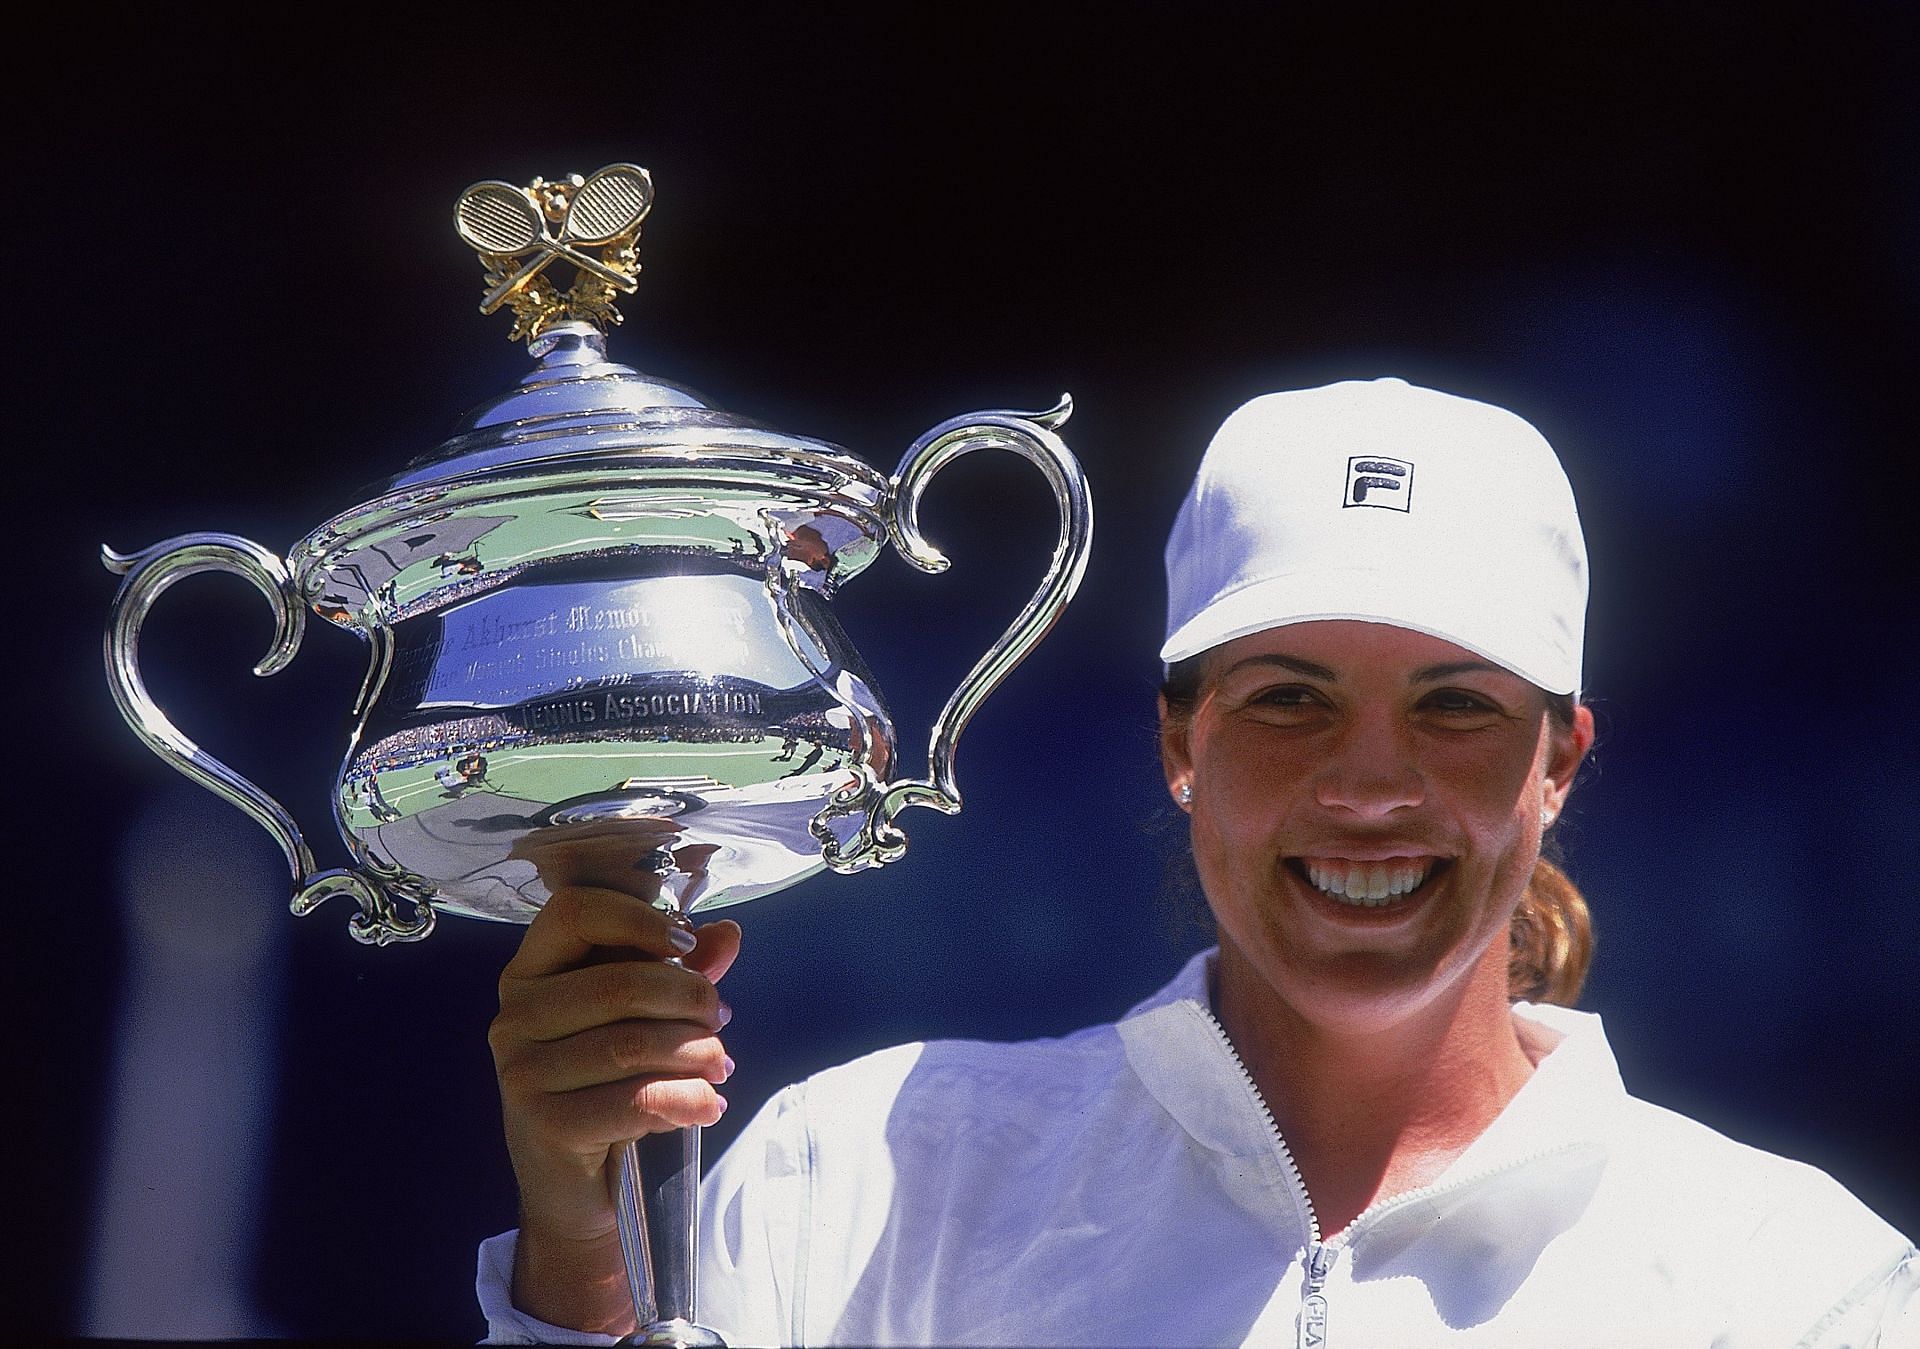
1369 884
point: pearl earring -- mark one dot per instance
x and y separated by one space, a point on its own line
1546 817
1186 793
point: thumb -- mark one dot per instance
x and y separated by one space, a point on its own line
719 944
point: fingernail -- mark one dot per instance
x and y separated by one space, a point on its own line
726 1014
726 1067
681 939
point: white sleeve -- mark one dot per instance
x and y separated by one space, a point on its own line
752 1251
507 1324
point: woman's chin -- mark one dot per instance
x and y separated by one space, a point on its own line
1365 987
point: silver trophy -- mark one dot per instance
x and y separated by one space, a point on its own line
599 616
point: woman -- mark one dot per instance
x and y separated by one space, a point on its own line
1346 1125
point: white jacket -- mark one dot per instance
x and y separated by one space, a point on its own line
1126 1186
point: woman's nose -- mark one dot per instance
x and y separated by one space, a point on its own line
1371 771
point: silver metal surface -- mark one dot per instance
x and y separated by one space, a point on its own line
605 601
599 617
877 840
148 574
657 1196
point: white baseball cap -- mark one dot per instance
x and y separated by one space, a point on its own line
1380 501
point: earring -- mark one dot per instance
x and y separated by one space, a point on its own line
1546 817
1186 793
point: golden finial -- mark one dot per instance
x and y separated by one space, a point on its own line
598 218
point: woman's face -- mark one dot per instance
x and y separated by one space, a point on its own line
1367 809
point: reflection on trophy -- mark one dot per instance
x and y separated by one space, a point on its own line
600 626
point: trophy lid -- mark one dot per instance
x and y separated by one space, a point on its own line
575 402
580 438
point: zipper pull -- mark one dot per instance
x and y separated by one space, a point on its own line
1313 1307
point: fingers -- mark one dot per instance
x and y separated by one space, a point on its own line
592 1119
576 919
616 1053
608 1029
553 1006
591 1056
719 944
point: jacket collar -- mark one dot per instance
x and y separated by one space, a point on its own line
1474 1235
1182 1058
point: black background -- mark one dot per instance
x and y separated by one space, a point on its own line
1685 245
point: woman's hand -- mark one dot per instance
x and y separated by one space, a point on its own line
599 1040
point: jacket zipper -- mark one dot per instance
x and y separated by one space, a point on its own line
1312 1331
1321 1254
1313 1301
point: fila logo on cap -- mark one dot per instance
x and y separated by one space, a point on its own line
1373 481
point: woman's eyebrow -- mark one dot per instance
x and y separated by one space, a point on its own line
1447 669
1426 674
1293 663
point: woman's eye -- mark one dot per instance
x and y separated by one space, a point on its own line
1286 696
1459 702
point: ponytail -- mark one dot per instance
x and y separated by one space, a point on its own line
1550 941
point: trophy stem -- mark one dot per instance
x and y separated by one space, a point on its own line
658 1199
658 1209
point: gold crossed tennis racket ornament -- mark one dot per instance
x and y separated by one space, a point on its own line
513 230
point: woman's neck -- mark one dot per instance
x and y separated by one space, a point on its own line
1373 1111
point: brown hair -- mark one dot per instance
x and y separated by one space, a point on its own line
1550 942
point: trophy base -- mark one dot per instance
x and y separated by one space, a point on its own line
675 1334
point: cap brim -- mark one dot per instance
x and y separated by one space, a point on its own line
1392 597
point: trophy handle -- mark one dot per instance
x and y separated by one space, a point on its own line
146 574
1032 436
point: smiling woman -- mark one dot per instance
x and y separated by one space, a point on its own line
1465 707
1550 939
1367 806
1370 1116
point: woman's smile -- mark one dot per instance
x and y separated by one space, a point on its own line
1368 882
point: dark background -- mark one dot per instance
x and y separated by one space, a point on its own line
1685 245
